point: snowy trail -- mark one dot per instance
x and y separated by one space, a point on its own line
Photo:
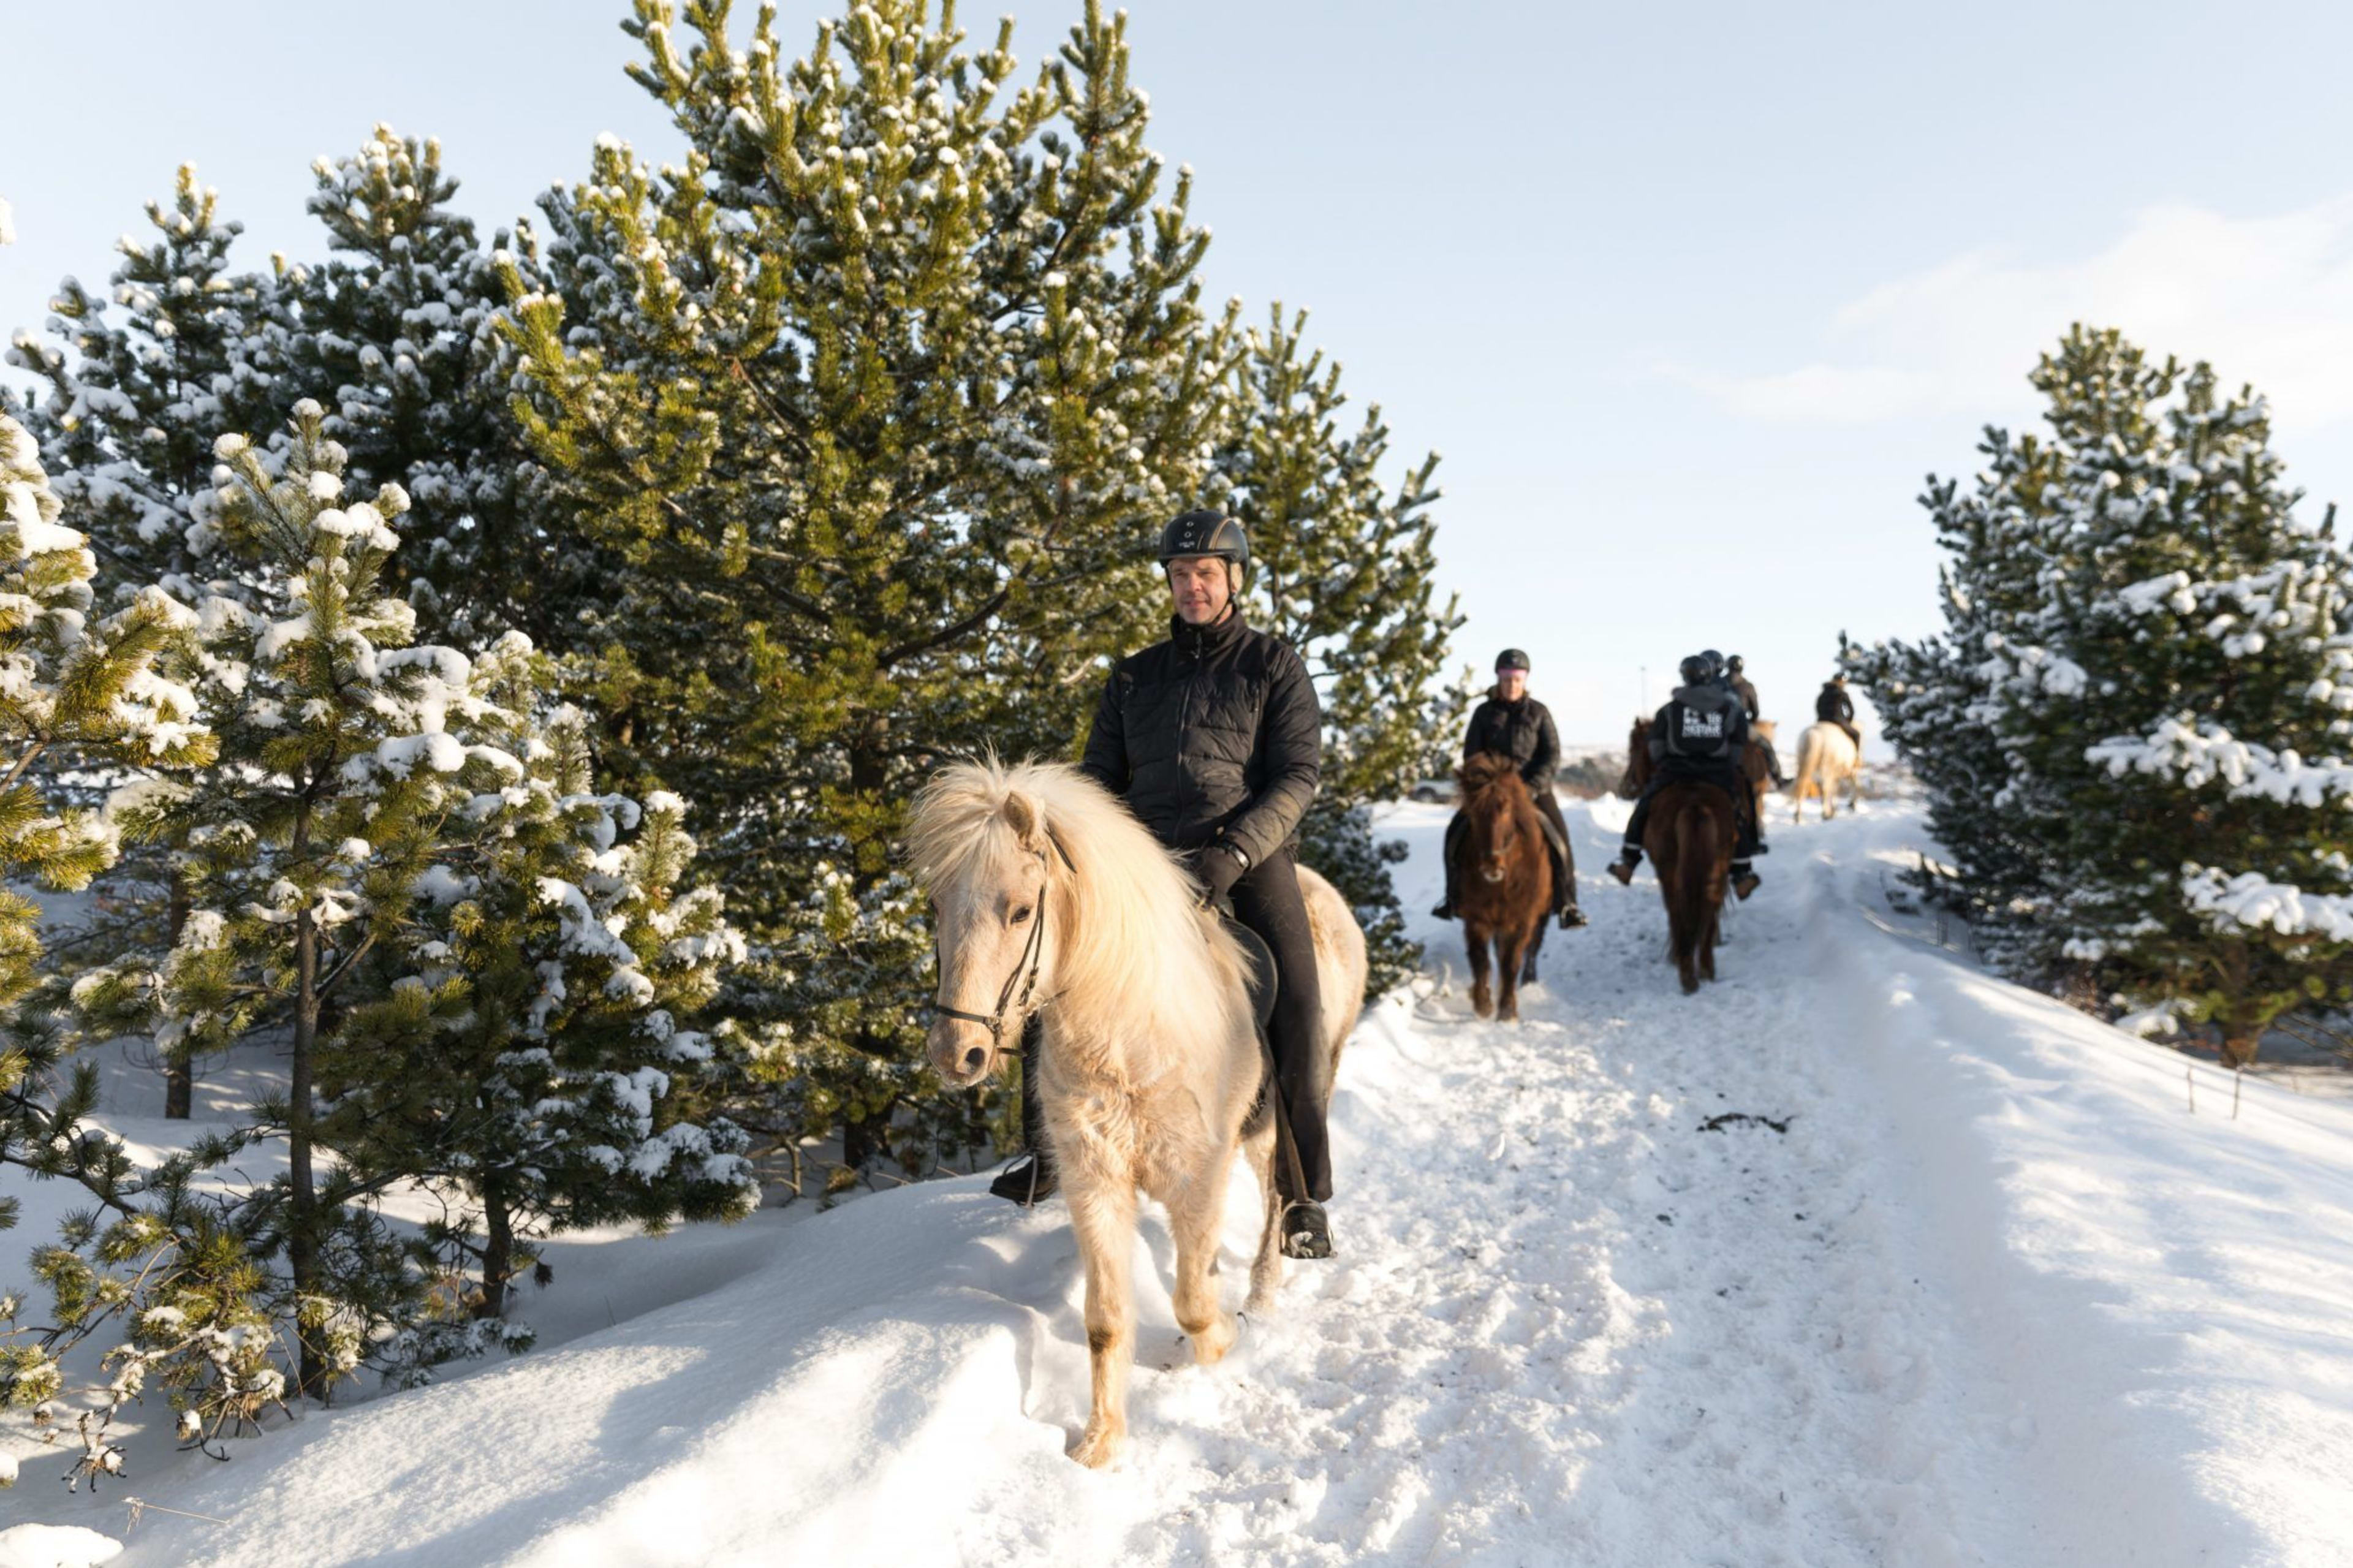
1992 1298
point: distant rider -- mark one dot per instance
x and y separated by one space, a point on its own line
1214 739
1735 670
1697 736
1833 706
1516 725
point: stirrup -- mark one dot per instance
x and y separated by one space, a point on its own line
1571 918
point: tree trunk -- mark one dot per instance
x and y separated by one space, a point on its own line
498 1252
862 1138
302 1229
179 1072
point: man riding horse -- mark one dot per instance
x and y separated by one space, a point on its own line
1833 706
1699 734
1514 724
1214 739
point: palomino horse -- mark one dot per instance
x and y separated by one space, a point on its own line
1505 877
1690 840
1827 757
1047 897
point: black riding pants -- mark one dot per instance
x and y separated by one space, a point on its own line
1266 899
1725 776
1564 859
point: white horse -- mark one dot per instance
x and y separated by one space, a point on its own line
1827 757
1047 897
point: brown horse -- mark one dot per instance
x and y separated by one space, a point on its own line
1756 765
1505 876
1689 838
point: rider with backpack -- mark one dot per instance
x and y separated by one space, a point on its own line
1514 724
1214 739
1698 735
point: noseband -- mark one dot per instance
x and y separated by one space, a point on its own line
1025 969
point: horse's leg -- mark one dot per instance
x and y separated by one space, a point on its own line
1102 1212
1193 1219
1266 1269
1713 930
1511 945
1483 995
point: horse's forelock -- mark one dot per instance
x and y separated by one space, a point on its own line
1486 781
957 824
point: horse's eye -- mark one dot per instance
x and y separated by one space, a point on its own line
1019 915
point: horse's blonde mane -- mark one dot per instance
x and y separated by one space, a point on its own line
1136 956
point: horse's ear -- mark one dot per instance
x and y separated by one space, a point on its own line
1022 812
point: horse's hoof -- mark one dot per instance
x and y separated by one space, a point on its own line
1211 1342
1097 1445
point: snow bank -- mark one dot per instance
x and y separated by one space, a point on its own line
2161 1294
55 1546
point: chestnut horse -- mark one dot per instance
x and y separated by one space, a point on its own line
1689 839
1505 875
1756 765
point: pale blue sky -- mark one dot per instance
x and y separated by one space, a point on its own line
1690 297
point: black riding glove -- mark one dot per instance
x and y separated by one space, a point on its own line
1219 867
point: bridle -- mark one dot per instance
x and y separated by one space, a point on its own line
1025 969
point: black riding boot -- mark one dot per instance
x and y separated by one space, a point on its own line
1563 862
1031 1178
1445 909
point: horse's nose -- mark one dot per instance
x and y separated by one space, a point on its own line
975 1059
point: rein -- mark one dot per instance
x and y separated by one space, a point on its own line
1025 968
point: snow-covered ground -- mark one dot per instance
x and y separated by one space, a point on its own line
1997 1295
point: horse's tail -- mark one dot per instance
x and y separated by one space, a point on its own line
1695 847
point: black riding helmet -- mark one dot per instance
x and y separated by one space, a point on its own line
1735 664
1694 669
1510 659
1714 660
1206 532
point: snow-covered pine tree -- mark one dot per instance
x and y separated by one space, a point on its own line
83 687
535 1064
134 400
1344 569
874 390
393 335
2171 698
302 849
1998 828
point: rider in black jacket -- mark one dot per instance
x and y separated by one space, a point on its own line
1214 739
1833 706
1516 725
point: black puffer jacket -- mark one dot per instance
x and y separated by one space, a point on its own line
1214 733
1833 705
1522 731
